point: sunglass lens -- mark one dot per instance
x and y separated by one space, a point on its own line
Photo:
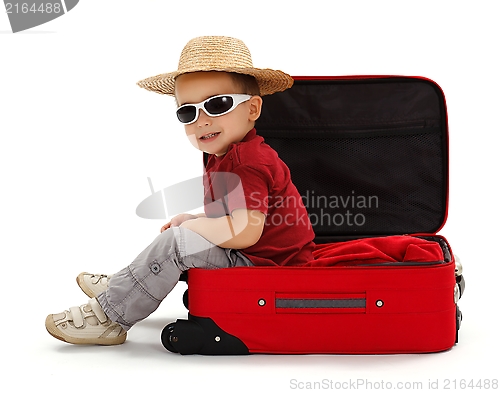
219 105
186 114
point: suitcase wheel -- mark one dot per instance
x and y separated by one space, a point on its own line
183 336
185 299
168 337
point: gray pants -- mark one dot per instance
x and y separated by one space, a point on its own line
137 290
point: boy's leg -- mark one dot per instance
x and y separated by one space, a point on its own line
137 290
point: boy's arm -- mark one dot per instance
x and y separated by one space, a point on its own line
240 230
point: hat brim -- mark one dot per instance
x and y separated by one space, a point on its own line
269 81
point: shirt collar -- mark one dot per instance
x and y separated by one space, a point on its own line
252 134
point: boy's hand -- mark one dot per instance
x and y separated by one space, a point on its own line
178 220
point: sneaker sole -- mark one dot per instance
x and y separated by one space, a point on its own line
56 333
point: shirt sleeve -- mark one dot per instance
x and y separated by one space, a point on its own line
248 189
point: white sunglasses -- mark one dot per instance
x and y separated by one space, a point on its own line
213 106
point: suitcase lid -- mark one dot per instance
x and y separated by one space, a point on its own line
368 154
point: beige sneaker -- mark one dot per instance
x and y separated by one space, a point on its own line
86 324
93 284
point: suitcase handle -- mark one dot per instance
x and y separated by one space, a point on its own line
320 303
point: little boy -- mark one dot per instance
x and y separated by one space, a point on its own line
254 215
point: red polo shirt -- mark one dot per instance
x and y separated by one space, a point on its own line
252 176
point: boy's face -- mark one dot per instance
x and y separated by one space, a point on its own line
214 134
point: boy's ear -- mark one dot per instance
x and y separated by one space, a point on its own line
255 108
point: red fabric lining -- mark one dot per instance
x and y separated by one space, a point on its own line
376 250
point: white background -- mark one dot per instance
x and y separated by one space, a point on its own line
79 139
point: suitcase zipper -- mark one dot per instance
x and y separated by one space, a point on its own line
402 264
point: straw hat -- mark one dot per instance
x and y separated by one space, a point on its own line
218 54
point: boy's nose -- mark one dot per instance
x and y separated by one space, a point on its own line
203 119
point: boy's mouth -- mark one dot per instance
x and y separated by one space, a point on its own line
210 136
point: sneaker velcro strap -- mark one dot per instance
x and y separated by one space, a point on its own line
96 308
76 315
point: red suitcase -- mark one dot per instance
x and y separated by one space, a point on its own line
369 156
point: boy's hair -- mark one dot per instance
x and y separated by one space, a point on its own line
247 83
